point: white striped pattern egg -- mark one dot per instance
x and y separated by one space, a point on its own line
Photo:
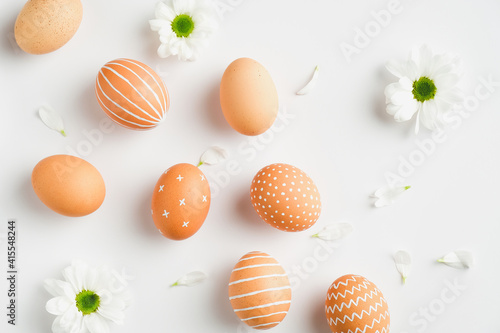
285 197
132 94
259 290
354 304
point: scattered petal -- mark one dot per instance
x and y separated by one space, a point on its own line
458 259
213 156
51 118
387 195
403 264
334 231
191 279
311 84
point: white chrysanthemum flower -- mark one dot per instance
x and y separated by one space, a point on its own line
184 27
426 86
88 299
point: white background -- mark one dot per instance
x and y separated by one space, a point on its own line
340 136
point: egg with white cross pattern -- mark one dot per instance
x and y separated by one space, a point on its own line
285 197
181 200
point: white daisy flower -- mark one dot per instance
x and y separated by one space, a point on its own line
426 86
87 300
184 27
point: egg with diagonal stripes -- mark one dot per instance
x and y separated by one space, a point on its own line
132 94
354 304
259 290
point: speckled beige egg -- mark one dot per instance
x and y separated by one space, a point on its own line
248 97
43 26
68 185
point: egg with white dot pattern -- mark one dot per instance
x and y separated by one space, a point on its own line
181 200
285 197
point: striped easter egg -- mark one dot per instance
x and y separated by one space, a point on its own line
259 290
354 304
132 94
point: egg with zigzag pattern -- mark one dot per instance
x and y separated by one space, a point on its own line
354 304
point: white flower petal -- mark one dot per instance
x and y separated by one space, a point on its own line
392 109
164 12
163 51
213 156
157 25
388 195
401 96
391 89
95 323
446 81
59 288
406 111
451 96
191 279
70 320
113 312
402 260
396 68
334 231
458 259
429 115
311 84
59 305
425 60
183 6
52 119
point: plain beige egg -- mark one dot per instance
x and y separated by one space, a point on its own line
43 26
68 185
248 97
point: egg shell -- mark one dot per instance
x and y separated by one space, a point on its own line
68 185
132 94
181 200
43 26
285 197
354 304
259 290
248 97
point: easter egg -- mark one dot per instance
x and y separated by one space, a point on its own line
132 94
285 197
354 304
259 290
248 97
181 200
43 26
68 185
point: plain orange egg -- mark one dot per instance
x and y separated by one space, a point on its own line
248 97
68 185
